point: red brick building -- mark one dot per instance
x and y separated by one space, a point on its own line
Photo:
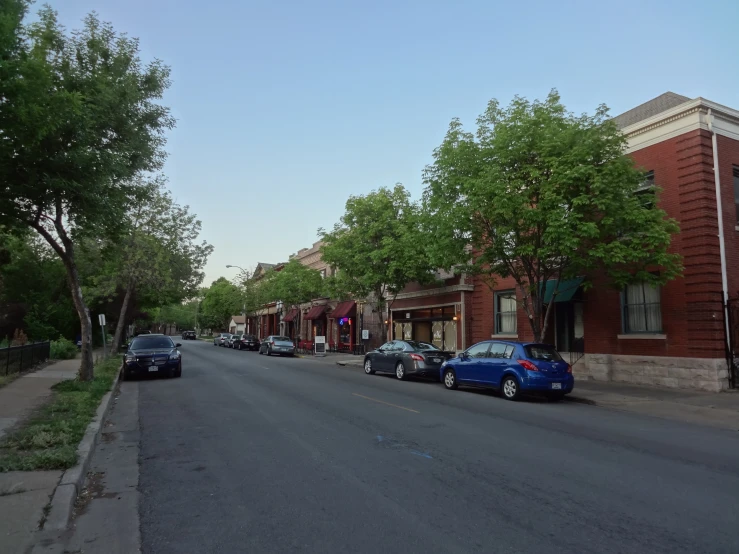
670 336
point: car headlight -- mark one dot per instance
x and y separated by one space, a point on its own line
174 356
130 357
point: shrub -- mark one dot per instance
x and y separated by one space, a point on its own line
63 349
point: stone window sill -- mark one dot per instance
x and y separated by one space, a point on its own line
504 336
643 336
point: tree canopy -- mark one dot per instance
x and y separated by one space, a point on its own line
293 284
80 117
538 194
222 300
377 246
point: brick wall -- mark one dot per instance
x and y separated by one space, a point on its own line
728 157
691 313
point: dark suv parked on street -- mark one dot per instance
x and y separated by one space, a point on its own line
189 335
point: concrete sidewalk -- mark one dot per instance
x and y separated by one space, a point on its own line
717 409
25 494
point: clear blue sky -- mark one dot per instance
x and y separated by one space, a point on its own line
285 108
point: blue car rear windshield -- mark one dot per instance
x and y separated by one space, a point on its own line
151 343
542 352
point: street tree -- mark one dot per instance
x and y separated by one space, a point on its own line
294 284
377 246
80 116
540 194
159 256
222 300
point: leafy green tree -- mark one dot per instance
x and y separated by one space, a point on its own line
294 284
80 116
222 300
539 194
159 257
377 246
32 285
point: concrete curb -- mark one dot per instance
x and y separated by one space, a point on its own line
350 363
72 481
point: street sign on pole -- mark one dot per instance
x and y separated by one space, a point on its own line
101 319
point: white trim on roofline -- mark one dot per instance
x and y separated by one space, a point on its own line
682 119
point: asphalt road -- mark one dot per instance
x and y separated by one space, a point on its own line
247 453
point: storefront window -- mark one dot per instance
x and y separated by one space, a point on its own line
407 331
450 336
398 331
437 331
345 330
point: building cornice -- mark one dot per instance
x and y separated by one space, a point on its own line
435 292
682 119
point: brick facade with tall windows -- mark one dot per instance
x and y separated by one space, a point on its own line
672 335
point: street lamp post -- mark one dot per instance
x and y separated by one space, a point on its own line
244 312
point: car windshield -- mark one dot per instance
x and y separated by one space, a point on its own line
281 339
418 345
543 352
151 343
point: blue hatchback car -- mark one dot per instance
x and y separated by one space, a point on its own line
512 368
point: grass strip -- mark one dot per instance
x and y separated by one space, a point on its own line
49 438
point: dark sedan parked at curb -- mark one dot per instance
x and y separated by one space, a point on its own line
513 368
275 344
152 354
221 339
405 357
246 342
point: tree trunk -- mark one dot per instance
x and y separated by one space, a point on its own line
66 253
116 344
86 366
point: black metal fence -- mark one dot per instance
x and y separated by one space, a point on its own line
15 359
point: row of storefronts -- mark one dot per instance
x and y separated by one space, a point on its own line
673 336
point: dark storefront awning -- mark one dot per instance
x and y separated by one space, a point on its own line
316 312
344 309
566 289
291 316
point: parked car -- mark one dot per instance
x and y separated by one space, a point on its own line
275 344
189 335
405 357
152 354
232 340
221 339
514 368
246 342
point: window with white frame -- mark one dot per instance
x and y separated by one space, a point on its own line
506 316
642 308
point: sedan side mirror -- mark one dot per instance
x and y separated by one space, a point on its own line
178 345
464 355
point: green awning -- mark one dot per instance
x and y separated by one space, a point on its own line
566 289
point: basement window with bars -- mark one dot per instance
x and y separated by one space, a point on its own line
642 309
505 313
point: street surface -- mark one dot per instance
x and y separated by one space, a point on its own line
247 453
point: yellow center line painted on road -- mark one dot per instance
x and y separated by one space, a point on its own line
386 403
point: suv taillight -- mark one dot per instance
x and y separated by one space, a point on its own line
528 365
